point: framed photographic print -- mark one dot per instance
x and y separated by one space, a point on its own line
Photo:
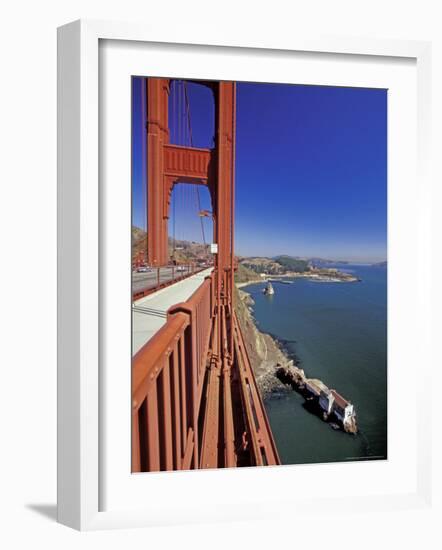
235 227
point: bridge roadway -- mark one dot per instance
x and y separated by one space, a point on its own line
149 314
140 281
144 281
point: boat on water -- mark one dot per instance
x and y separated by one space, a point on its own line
268 290
282 281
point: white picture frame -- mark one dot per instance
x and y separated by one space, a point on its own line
79 368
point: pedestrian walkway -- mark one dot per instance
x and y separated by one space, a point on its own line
149 314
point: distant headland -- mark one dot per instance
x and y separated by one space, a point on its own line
257 269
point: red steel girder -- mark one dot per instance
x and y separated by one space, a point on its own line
196 403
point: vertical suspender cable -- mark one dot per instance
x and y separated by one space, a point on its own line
191 144
144 129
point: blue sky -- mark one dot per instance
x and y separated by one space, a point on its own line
311 170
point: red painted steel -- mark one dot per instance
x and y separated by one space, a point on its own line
157 137
195 399
177 380
154 440
168 375
259 430
190 164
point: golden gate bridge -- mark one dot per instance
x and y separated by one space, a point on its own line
195 401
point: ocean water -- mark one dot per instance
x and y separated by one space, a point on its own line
338 332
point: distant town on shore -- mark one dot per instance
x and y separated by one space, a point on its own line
259 268
253 268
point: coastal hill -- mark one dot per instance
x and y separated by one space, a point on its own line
245 275
249 269
278 265
139 239
183 251
275 266
323 262
256 268
290 263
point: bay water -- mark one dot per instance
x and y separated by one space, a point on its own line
338 333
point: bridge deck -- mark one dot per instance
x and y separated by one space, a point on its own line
149 313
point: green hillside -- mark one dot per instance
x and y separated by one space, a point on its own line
290 263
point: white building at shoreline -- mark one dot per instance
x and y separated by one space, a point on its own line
343 409
330 401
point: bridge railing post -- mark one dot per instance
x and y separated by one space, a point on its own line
160 425
199 311
190 367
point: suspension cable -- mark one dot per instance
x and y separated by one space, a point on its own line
191 144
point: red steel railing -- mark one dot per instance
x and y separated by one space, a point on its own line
199 309
167 382
194 404
258 426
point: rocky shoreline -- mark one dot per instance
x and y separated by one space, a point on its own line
264 352
247 283
323 276
274 369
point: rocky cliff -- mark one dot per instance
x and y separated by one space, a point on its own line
264 353
272 367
